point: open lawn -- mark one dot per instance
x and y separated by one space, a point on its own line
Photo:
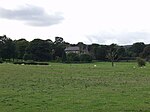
75 88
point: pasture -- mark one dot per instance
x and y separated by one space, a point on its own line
75 88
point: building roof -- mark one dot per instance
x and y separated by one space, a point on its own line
75 48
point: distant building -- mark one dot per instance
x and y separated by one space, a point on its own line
72 49
76 49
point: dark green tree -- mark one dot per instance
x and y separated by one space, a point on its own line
7 50
58 48
21 46
64 57
121 52
73 57
38 50
82 47
85 58
146 53
137 48
93 49
101 53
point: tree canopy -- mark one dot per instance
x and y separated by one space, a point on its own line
47 50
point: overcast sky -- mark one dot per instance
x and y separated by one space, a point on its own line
90 21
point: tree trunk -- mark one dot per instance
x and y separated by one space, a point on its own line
112 62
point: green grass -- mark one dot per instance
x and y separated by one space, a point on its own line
75 88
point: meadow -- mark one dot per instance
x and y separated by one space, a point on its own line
75 88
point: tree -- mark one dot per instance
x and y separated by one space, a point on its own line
7 50
82 47
112 53
21 46
146 53
73 57
137 48
58 40
64 58
38 50
93 50
85 58
141 62
101 53
121 52
58 47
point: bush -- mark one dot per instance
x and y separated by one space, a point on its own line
141 62
42 63
77 58
31 63
58 59
19 62
1 61
73 57
85 58
26 56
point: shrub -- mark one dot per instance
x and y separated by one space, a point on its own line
31 63
78 58
141 62
42 63
19 62
85 58
73 57
27 57
1 61
58 59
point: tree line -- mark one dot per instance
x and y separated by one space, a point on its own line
48 50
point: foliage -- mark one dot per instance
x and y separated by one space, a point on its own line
47 50
111 56
64 58
30 63
93 50
76 58
101 53
58 48
85 58
141 62
73 57
21 46
7 48
112 53
137 48
146 53
1 61
38 50
58 59
121 52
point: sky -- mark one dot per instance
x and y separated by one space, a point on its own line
121 22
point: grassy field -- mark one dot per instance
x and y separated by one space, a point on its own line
75 88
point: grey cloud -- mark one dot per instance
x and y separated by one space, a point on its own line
31 15
124 38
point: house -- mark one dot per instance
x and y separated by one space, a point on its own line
73 49
77 49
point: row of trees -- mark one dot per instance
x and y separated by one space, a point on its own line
47 50
37 49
